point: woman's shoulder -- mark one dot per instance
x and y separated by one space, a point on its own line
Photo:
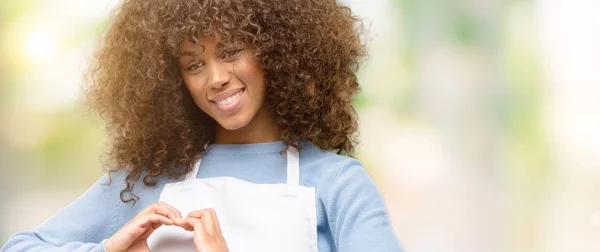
326 164
114 184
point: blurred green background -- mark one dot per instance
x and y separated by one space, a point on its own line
479 119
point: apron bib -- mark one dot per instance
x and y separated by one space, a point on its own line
253 217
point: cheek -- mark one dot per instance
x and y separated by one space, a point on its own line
195 89
251 74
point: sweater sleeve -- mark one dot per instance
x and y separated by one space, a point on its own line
81 226
357 213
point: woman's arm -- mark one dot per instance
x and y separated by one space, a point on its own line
81 226
357 213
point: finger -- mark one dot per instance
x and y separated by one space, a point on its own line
167 213
155 226
201 236
185 224
143 223
167 210
217 224
211 220
173 209
199 227
157 219
206 218
151 222
152 209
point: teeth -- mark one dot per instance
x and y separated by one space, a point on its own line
230 99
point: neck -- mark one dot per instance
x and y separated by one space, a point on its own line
261 129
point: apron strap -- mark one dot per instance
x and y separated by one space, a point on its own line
293 166
194 173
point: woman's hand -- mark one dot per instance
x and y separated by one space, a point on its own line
132 236
207 231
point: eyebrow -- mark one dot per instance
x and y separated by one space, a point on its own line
188 53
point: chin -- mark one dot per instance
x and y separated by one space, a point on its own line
233 124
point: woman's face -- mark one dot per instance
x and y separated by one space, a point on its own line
225 81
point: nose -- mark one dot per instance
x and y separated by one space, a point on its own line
219 76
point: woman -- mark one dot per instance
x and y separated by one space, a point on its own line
224 118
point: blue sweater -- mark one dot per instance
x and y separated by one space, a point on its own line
351 214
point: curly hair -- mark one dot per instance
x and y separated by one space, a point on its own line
309 51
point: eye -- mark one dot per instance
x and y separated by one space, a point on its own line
193 67
231 54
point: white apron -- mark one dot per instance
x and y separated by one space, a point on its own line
253 217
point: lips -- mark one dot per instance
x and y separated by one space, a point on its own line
226 95
228 101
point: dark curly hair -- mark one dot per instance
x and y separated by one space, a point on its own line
309 52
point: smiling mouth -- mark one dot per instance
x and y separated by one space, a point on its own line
231 99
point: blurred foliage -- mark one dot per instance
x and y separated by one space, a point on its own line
514 101
66 154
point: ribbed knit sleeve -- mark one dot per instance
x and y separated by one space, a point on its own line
81 226
357 213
